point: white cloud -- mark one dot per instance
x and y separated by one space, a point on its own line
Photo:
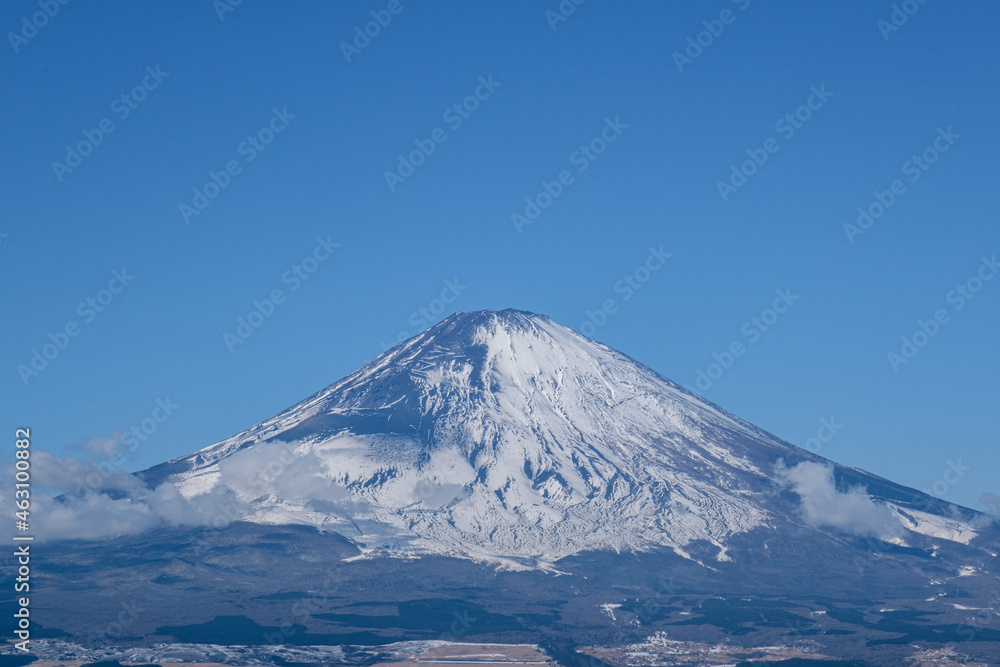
103 447
71 475
278 468
822 505
94 515
83 500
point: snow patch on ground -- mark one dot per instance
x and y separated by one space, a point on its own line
609 609
933 525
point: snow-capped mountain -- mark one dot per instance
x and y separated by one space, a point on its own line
507 437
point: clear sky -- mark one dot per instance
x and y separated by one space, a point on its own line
214 153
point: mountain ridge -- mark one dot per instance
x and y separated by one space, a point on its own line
503 435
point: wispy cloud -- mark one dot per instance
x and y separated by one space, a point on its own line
991 502
102 447
822 505
989 505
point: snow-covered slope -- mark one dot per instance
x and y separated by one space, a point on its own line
501 435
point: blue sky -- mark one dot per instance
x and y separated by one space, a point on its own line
629 121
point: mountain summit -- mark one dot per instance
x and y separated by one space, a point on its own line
505 436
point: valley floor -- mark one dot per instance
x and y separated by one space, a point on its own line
657 651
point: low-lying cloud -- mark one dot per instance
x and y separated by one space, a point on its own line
76 498
822 505
76 476
79 499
